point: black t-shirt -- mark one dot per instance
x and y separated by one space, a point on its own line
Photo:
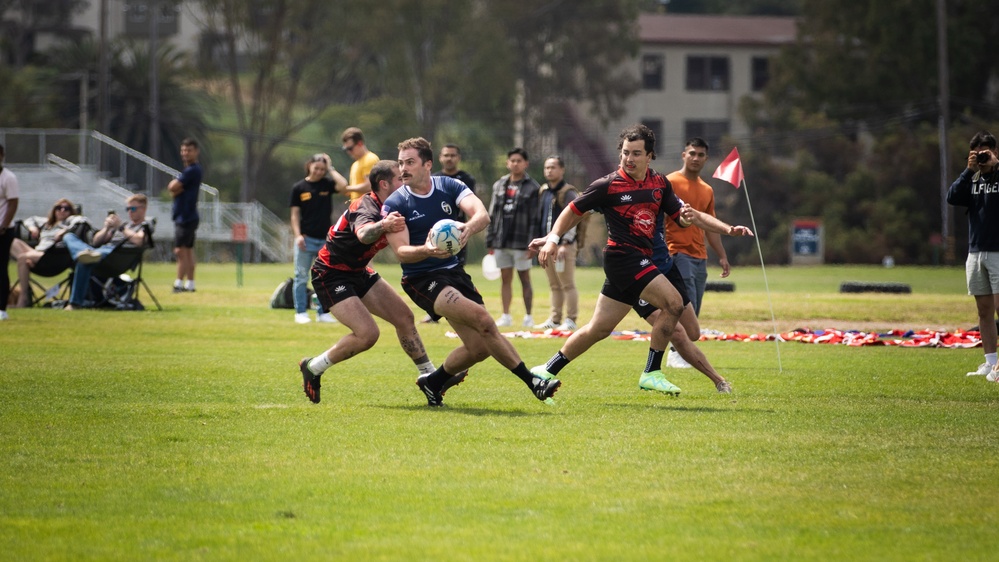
315 199
463 176
630 207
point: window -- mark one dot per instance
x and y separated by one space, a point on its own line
652 72
707 73
657 127
711 131
761 73
137 18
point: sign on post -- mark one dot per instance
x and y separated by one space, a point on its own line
807 242
239 237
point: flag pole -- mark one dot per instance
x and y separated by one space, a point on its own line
763 267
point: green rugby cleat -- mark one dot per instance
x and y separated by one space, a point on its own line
655 381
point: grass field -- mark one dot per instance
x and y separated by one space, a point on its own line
184 435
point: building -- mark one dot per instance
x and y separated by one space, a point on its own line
694 70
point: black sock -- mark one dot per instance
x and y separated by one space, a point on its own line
437 378
556 363
655 362
524 374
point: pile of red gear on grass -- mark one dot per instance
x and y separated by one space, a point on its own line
855 338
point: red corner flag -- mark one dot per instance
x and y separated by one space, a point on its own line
730 169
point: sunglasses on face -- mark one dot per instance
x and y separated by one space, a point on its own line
131 209
63 208
348 148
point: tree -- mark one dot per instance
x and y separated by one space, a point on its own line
284 62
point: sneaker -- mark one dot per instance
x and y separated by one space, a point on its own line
505 320
983 369
546 325
428 320
528 321
657 382
435 397
674 360
724 387
325 317
302 318
544 388
993 375
541 371
88 256
177 289
310 382
454 381
568 325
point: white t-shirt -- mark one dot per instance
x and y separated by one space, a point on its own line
8 190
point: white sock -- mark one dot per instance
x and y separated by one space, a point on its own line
319 364
178 283
190 285
426 368
991 358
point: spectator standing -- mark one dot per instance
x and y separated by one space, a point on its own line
364 160
311 218
977 189
687 244
555 195
184 190
10 194
514 223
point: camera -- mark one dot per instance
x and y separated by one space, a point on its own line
983 156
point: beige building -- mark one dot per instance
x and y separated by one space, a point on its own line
693 71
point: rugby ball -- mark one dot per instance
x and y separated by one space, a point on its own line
446 235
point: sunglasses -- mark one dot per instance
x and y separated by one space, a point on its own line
130 209
63 208
348 148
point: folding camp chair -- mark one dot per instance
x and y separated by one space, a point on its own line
53 262
110 282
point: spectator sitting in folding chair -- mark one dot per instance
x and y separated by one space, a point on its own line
39 248
116 233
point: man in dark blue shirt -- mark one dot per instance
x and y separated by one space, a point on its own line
185 190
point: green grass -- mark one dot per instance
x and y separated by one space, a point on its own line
184 435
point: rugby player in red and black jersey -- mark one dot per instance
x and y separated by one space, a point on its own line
631 200
350 289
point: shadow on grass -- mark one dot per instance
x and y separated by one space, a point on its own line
692 409
477 412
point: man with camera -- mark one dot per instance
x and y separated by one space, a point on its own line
977 188
116 232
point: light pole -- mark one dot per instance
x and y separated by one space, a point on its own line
154 83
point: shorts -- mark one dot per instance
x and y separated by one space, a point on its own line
334 285
628 273
505 259
183 234
982 271
644 309
425 287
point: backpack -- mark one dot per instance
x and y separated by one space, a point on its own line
284 297
581 227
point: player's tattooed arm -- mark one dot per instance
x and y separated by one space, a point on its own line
371 232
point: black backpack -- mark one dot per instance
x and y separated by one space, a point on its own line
283 296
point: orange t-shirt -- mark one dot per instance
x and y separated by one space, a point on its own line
700 196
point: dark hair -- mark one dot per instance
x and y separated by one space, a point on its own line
983 138
638 132
699 142
317 158
556 157
1 151
352 134
520 151
454 146
421 145
382 170
188 141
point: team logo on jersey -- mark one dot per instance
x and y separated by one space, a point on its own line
432 286
644 222
643 302
626 198
657 194
644 262
446 207
415 216
305 196
340 289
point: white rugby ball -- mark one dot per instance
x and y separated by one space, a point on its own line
446 235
